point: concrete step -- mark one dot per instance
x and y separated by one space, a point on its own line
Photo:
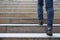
19 6
27 28
29 35
25 21
22 10
30 29
23 6
25 15
16 2
3 29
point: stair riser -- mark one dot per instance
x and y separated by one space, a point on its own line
24 10
26 6
30 21
27 29
3 29
19 6
19 15
30 29
29 15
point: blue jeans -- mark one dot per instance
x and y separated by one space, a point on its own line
49 10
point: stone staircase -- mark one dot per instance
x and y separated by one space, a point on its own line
25 12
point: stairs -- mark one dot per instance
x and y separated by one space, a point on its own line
28 28
20 16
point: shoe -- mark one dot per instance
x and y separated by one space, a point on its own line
41 23
49 31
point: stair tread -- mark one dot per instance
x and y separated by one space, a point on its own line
28 35
27 25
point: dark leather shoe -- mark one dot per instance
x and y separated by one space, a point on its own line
49 33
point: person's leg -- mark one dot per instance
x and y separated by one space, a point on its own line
50 15
40 11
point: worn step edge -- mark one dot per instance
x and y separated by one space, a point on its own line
32 25
28 35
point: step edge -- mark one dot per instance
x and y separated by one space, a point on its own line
28 35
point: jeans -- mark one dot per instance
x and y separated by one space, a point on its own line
49 11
